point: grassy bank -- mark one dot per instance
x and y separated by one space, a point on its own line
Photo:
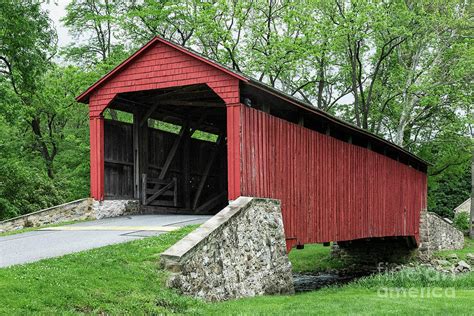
126 279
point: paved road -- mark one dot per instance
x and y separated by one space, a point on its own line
58 241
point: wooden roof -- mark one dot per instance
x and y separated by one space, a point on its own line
247 80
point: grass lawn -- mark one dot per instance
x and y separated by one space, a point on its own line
126 279
313 258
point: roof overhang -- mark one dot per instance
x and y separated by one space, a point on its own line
309 108
84 97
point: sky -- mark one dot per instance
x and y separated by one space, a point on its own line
57 9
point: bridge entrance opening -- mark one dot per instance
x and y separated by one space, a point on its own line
167 148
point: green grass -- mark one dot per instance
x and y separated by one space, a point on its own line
30 229
313 258
416 277
346 301
127 279
468 248
123 278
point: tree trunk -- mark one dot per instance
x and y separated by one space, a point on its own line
321 84
48 156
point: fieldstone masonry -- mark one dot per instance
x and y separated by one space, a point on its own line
240 252
436 234
113 208
76 210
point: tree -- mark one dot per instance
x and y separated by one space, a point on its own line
174 20
92 23
27 43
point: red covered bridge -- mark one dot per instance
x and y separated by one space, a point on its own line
199 134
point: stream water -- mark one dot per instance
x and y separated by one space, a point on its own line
310 282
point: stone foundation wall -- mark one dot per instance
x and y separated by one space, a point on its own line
436 234
240 252
113 208
76 210
73 211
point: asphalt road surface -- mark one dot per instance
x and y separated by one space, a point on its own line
58 241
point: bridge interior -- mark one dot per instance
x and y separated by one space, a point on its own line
167 148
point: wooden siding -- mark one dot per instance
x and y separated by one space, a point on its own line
118 160
162 66
330 190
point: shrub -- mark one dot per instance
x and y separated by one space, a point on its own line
461 221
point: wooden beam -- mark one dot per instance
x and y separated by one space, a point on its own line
143 141
172 153
175 192
187 170
196 103
161 99
174 118
212 202
148 113
144 185
156 181
203 180
159 192
136 155
118 162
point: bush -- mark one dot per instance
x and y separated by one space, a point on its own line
461 221
24 190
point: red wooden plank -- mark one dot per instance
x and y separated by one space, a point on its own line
330 190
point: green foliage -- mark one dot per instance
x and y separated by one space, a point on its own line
201 135
449 182
27 40
24 191
93 21
447 190
461 221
